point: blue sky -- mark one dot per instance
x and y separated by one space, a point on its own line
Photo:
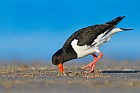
35 29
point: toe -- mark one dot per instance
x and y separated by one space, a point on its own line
85 67
92 69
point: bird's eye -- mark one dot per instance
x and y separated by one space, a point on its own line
57 60
58 57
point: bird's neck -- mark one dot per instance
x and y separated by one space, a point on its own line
68 54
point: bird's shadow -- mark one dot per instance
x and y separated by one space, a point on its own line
123 71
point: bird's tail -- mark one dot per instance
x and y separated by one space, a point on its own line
114 22
116 30
126 29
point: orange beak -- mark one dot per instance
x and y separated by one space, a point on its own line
60 67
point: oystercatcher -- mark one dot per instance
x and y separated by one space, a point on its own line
87 41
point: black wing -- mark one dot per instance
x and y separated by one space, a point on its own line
88 34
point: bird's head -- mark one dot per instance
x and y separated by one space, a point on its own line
57 59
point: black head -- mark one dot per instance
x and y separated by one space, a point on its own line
57 57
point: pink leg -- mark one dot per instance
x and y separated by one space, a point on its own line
93 64
88 67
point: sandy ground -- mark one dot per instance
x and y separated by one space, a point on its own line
111 77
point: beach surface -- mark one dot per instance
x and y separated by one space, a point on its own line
111 77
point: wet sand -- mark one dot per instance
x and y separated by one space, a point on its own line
111 77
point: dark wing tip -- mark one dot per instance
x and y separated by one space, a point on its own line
115 21
121 17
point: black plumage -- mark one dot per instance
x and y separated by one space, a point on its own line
88 34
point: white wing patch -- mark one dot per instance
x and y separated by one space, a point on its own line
82 50
98 39
101 39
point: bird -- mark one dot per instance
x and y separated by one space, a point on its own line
87 41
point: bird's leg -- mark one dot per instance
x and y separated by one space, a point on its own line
98 58
87 67
93 64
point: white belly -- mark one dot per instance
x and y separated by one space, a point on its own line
82 50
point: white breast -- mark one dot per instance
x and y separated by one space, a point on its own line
82 50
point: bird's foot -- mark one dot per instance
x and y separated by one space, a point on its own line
90 67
